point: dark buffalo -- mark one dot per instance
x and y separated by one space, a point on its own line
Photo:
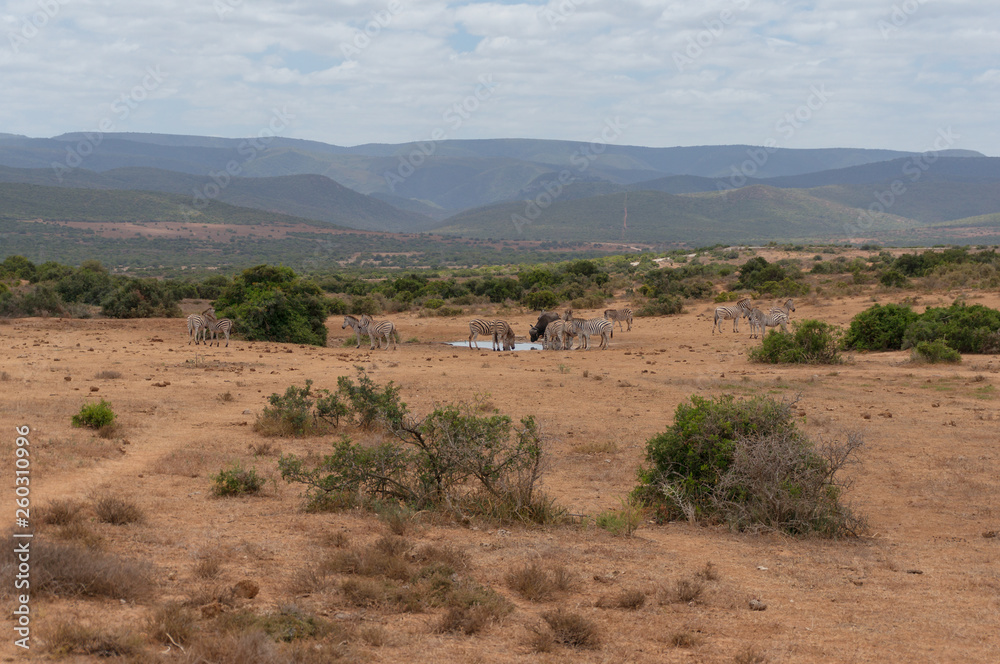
538 329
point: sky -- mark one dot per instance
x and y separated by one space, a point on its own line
896 74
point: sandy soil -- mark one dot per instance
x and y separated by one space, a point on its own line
923 586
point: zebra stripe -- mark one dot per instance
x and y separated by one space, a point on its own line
502 334
741 310
479 326
214 326
377 330
558 336
586 328
786 308
619 315
198 324
359 325
761 321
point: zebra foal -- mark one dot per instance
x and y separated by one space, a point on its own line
359 325
198 325
503 335
741 310
558 336
215 326
761 321
619 315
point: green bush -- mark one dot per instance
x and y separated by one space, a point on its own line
38 300
268 303
811 342
879 328
374 406
744 462
140 298
454 458
94 415
935 352
664 305
237 481
543 300
433 303
300 411
893 278
966 328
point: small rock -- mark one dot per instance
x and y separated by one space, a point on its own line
248 412
67 378
94 388
757 605
989 534
914 571
246 589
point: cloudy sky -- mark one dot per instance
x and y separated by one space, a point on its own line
837 73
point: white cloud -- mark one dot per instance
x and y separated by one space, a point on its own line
561 69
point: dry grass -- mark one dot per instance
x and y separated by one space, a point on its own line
572 629
682 591
171 623
117 510
631 599
685 639
186 463
750 655
62 512
108 374
69 570
531 582
65 637
208 566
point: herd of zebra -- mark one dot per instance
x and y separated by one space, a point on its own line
557 332
200 325
759 321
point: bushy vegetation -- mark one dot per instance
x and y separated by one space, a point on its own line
237 481
810 342
745 463
94 415
935 351
461 457
268 303
962 327
880 327
140 298
772 279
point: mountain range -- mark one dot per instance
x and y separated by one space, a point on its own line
511 188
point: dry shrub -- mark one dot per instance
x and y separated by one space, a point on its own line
171 623
337 540
375 635
370 562
631 599
117 510
446 555
184 463
682 591
109 431
531 582
108 374
237 648
68 570
62 512
266 448
563 579
709 572
572 629
466 620
750 655
74 638
308 580
209 565
391 545
81 532
683 639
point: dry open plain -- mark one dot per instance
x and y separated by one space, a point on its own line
922 586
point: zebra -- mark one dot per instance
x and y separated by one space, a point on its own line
376 330
585 328
198 324
502 332
359 325
479 326
761 321
741 310
558 336
214 326
786 308
619 315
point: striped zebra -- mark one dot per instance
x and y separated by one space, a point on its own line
197 325
761 321
503 334
377 330
359 325
741 310
619 315
558 336
215 326
586 328
479 326
786 308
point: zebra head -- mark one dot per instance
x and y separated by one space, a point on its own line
789 304
348 323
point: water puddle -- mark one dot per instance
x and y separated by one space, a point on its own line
489 345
